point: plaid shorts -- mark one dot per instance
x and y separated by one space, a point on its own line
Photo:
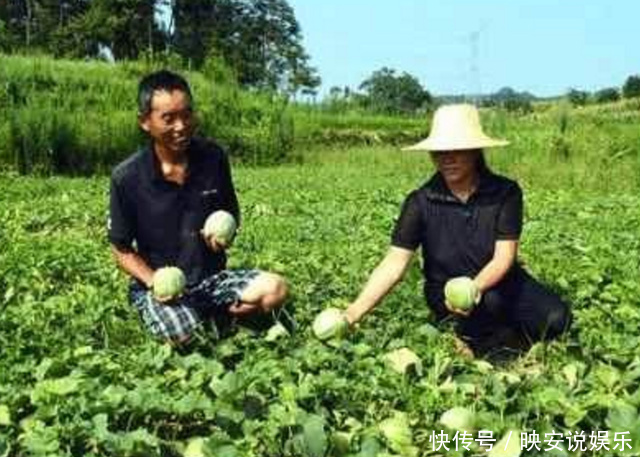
203 302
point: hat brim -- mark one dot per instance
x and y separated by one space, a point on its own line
433 144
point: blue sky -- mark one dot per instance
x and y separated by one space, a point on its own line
469 46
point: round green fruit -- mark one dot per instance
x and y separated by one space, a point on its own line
221 225
461 292
330 323
168 282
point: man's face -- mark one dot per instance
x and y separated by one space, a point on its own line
170 122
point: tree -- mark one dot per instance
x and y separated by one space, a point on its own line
127 27
390 93
4 37
511 100
577 97
631 87
260 39
78 28
34 24
610 94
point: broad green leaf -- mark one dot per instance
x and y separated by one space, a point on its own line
404 360
397 432
458 418
195 448
508 446
51 388
622 417
315 437
5 445
340 443
370 447
5 415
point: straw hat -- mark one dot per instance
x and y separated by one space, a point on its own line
456 127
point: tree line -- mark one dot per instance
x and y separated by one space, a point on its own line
254 43
259 40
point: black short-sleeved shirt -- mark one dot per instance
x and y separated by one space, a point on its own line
458 239
163 219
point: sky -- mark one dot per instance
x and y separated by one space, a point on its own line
453 47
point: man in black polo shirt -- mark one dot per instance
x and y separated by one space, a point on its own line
160 198
467 222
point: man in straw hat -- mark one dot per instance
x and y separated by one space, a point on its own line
468 221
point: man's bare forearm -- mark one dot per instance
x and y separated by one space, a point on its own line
134 265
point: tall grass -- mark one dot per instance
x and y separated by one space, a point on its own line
60 116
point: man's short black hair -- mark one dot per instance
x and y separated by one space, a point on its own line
162 80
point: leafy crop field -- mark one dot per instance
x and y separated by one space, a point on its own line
78 376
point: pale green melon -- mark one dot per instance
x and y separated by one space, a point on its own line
168 282
330 323
221 225
461 292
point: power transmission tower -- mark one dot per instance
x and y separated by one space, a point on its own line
474 71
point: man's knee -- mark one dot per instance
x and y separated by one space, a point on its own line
558 320
553 323
273 291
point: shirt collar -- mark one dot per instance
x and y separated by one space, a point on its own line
152 164
436 188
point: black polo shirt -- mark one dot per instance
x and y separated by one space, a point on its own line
161 219
457 238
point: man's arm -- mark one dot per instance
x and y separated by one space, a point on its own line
121 230
133 264
228 189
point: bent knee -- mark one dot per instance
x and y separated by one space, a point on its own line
554 323
272 290
558 321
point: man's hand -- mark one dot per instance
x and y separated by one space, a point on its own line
465 312
458 311
239 309
214 244
167 300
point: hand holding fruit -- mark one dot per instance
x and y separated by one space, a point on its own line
461 295
330 323
219 230
168 284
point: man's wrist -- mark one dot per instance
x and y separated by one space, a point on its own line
148 281
479 290
351 316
